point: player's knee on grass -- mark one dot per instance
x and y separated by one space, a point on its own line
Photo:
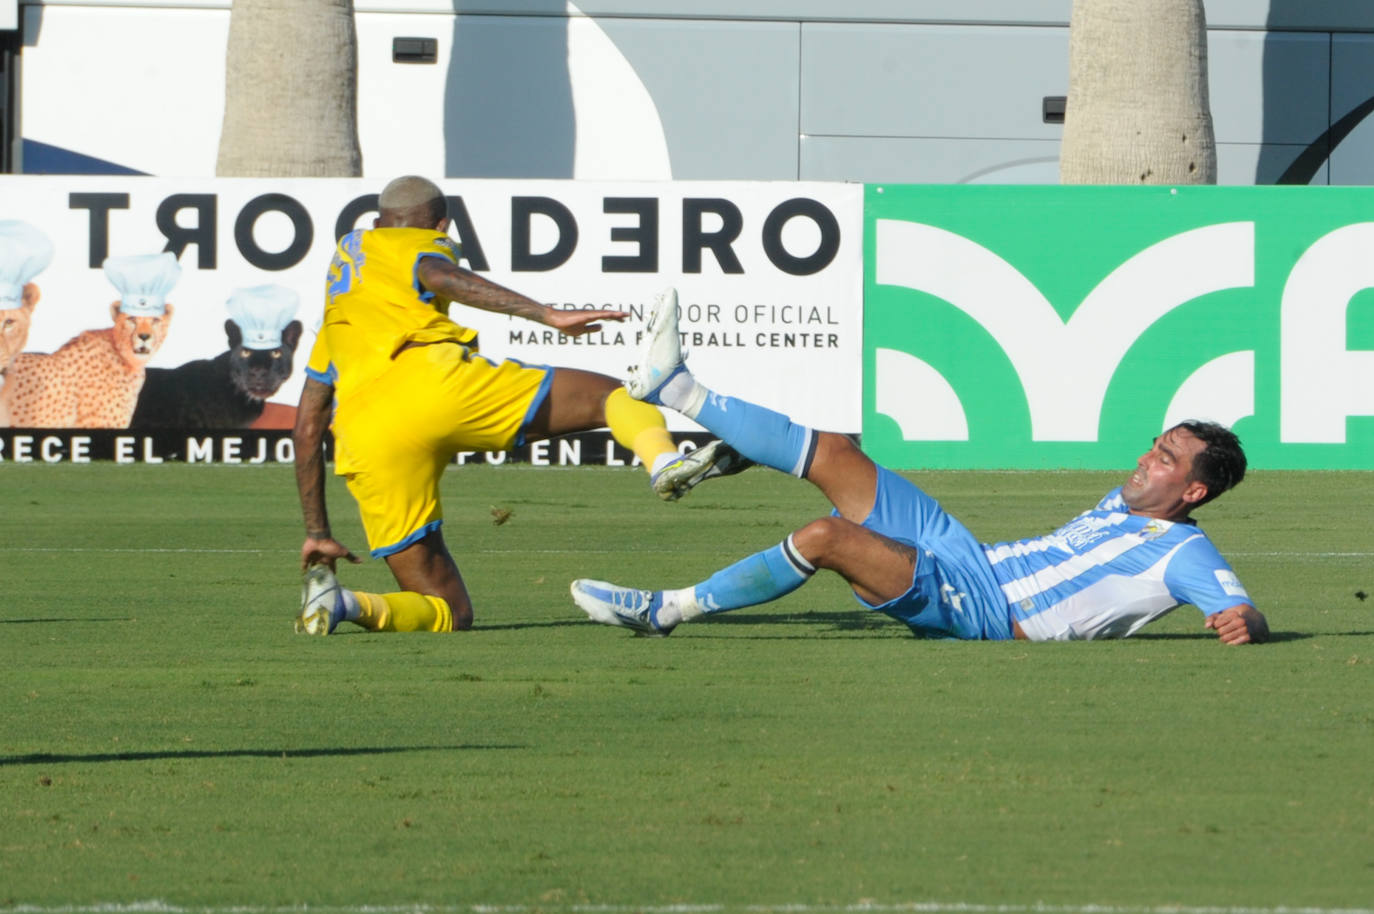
454 597
462 615
426 567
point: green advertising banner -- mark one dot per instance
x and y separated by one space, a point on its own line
1047 326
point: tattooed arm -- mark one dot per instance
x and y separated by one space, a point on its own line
312 419
454 283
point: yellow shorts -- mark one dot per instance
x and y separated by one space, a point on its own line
393 440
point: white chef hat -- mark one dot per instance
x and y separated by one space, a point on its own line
24 253
262 312
143 281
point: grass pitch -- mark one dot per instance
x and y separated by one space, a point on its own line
167 742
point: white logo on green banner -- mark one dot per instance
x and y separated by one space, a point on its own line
1066 326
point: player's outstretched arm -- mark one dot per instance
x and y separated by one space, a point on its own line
1240 625
454 283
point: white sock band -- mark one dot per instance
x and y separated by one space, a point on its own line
352 608
683 603
796 559
684 394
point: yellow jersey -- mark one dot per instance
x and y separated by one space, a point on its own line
375 304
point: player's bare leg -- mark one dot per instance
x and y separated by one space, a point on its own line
426 569
847 476
576 402
879 569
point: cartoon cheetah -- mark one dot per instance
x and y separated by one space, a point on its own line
14 333
92 381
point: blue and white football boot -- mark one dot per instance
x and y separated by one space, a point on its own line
623 606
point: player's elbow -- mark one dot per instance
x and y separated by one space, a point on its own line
312 416
307 434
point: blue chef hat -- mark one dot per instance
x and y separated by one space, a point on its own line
262 312
24 253
143 281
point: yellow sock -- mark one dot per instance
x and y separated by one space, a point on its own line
406 611
638 426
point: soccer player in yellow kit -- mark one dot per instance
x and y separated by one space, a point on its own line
408 390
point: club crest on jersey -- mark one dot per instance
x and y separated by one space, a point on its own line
1083 531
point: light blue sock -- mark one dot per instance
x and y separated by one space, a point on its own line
759 578
759 433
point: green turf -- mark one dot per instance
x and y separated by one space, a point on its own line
167 741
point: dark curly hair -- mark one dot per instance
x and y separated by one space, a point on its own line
1220 465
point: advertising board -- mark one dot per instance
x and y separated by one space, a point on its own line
769 277
1066 326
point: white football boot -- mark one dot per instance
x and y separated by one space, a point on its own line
322 604
695 467
661 357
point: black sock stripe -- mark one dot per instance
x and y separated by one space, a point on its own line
789 550
812 439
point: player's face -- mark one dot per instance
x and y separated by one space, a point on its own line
1161 485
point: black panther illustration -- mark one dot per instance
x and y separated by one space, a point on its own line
228 391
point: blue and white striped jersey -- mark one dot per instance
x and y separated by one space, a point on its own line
1107 573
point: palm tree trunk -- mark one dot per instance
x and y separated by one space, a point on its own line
291 90
1138 110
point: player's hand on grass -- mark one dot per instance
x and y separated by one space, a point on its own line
576 323
1239 625
325 550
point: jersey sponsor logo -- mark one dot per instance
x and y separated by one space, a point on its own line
955 598
1230 584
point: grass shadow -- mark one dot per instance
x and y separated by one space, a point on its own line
83 620
521 626
51 758
1274 637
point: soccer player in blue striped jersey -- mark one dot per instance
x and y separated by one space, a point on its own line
1107 573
